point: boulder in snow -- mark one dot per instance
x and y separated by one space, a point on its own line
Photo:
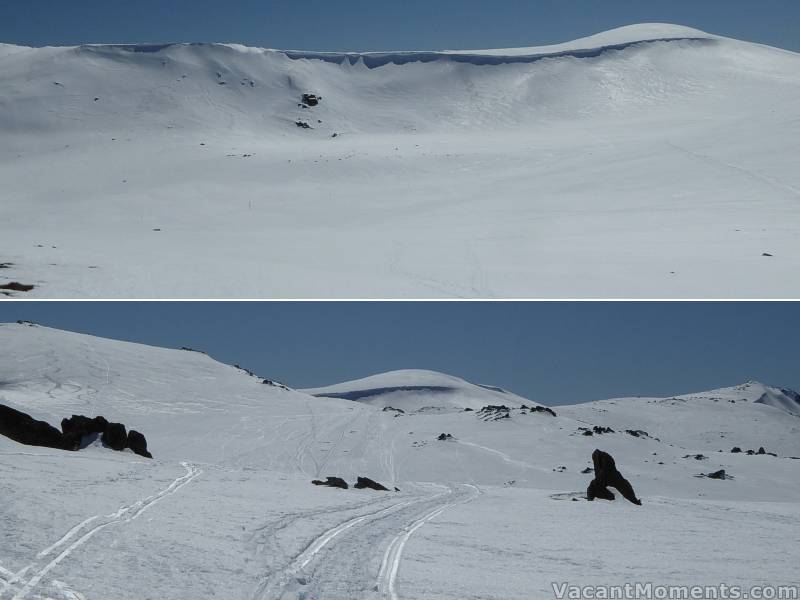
606 475
23 428
138 443
367 483
115 436
335 482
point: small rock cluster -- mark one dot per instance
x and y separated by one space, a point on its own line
494 412
637 432
760 451
363 483
538 409
597 429
696 456
78 429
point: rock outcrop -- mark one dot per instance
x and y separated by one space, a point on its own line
138 443
367 483
23 428
77 432
115 436
334 482
310 99
606 475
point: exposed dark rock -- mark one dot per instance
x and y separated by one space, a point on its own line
637 433
606 475
736 450
188 349
540 409
444 437
696 456
587 470
335 482
76 432
601 430
275 384
23 428
115 436
78 428
367 483
718 475
311 99
761 450
587 432
493 412
138 443
469 410
399 411
302 124
15 286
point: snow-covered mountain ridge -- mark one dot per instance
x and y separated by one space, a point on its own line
226 508
653 161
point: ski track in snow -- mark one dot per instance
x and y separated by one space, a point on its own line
349 549
387 576
15 582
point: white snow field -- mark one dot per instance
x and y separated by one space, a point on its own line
648 161
226 508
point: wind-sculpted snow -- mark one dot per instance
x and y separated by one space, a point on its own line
374 60
649 161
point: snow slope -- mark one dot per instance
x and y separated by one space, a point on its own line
416 389
225 508
653 160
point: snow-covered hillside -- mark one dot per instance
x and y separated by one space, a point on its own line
226 507
653 160
419 390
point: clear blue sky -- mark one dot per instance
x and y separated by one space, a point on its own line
554 353
381 25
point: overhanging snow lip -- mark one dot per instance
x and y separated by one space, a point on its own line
374 60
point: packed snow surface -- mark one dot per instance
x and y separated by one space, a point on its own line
648 161
226 508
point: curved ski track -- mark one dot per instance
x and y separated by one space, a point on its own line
17 584
345 562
